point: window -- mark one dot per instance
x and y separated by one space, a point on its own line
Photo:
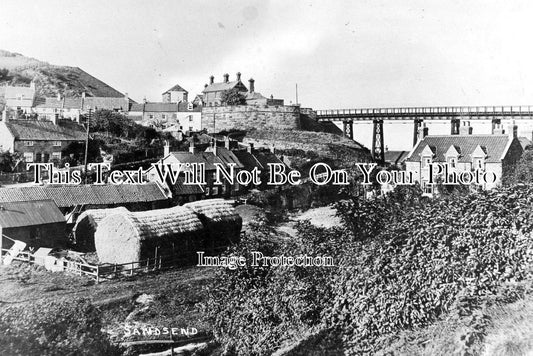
452 162
163 116
38 157
427 188
28 143
207 191
57 143
190 128
426 161
56 155
478 163
28 156
151 116
215 190
190 118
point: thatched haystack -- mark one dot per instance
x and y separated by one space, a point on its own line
86 226
221 220
130 237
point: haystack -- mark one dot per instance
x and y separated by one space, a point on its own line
129 237
86 226
221 220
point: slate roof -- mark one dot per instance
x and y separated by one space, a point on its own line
155 107
48 103
224 86
44 131
186 189
496 146
107 103
91 194
206 158
395 157
226 156
29 213
248 160
176 87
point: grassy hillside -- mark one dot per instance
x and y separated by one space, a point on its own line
50 79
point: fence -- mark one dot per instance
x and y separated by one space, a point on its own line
104 271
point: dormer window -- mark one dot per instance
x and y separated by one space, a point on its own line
452 156
427 156
478 157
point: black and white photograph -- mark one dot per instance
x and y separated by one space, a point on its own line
266 178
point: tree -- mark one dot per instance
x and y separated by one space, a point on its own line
233 97
8 161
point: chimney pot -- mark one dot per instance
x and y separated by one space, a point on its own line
192 149
252 84
211 79
238 76
513 130
166 149
226 78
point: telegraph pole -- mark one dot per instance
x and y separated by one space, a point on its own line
296 93
87 142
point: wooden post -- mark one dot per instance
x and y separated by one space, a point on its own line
97 274
155 258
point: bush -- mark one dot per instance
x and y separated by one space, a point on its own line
401 262
53 328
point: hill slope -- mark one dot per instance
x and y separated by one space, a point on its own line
50 79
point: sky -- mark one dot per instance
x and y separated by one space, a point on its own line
341 54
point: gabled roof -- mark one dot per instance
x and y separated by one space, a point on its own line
44 131
90 194
496 146
29 213
248 160
254 96
225 86
226 156
106 103
176 87
155 107
206 158
395 157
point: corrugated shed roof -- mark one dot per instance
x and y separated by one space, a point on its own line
29 213
176 87
73 195
224 86
44 131
494 144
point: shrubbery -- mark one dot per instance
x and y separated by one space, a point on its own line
401 262
53 328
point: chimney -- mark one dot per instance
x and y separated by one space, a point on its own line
192 149
83 95
226 142
166 149
211 79
497 129
466 129
205 86
252 87
513 130
214 146
422 131
250 148
272 149
4 115
226 78
144 100
58 96
56 118
126 96
238 76
32 84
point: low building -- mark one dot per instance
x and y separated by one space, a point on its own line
465 153
38 223
20 98
39 141
186 116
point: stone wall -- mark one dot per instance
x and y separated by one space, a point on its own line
244 117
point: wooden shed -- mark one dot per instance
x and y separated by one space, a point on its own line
38 223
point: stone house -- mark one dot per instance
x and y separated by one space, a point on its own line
176 94
465 153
